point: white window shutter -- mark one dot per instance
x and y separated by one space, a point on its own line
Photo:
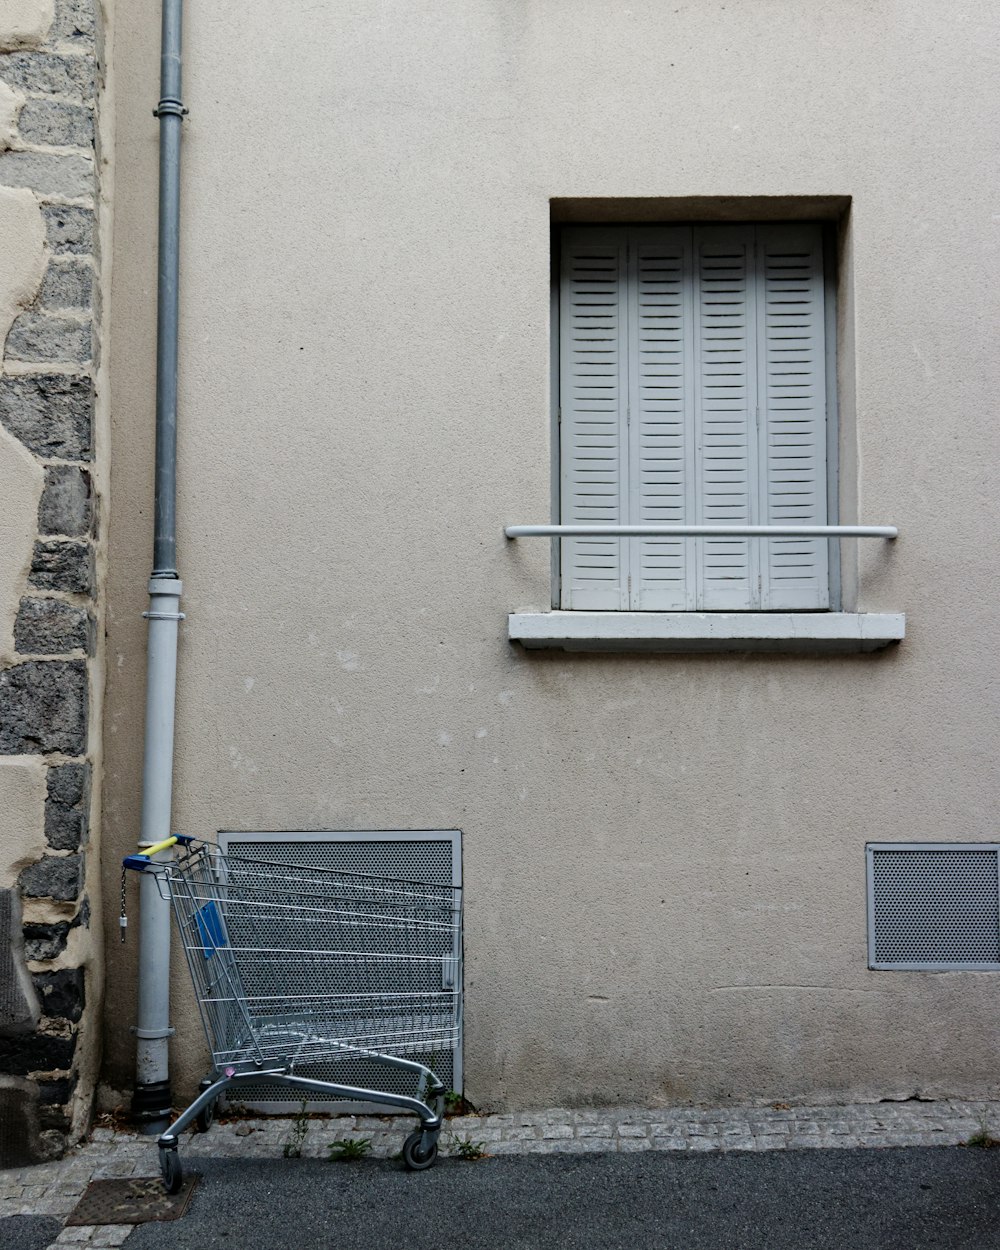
792 364
661 429
693 391
725 370
593 400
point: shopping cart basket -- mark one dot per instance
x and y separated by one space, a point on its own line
294 964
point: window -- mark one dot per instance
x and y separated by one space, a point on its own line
693 390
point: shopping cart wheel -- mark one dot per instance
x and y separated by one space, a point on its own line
205 1117
415 1158
171 1170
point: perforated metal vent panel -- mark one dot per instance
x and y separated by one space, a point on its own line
934 906
433 856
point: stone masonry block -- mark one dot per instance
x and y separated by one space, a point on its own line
62 993
43 708
48 173
51 627
58 1091
65 566
75 23
57 123
58 877
70 228
36 1052
65 506
51 413
68 285
67 806
40 337
45 941
48 74
19 1003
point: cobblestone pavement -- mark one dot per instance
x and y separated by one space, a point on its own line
54 1188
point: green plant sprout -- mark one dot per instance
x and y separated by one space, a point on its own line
297 1135
345 1149
466 1148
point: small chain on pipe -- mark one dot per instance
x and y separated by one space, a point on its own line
123 918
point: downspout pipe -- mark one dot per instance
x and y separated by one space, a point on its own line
152 1099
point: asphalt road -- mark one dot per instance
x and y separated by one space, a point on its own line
796 1200
28 1232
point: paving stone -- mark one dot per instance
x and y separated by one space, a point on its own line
110 1234
629 1145
594 1130
553 1132
590 1145
520 1132
462 1123
633 1130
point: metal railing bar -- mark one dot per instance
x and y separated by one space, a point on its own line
701 531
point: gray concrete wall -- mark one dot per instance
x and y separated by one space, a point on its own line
53 142
664 856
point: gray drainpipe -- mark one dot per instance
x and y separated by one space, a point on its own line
152 1099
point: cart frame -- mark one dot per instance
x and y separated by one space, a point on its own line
229 908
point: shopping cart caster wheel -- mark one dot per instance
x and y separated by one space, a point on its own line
414 1158
205 1117
171 1171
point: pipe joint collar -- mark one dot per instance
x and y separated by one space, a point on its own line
169 107
166 586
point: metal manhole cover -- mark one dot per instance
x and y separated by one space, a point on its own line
132 1200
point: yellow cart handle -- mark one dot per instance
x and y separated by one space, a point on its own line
155 849
141 860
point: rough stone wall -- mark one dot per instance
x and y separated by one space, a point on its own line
50 78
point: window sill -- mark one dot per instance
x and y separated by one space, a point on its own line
809 633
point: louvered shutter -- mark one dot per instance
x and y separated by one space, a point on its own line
725 370
693 390
661 428
792 363
593 351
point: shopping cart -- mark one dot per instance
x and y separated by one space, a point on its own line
294 964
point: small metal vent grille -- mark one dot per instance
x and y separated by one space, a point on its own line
934 907
416 857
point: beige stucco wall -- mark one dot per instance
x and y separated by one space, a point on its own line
664 856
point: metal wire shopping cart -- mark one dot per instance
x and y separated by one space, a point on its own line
293 964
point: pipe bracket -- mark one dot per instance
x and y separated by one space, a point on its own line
164 616
169 107
153 1035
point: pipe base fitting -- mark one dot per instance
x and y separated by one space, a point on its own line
152 1108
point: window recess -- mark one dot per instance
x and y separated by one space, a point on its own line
695 494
